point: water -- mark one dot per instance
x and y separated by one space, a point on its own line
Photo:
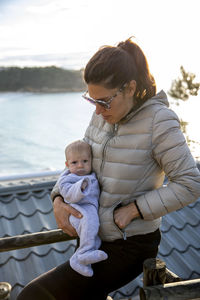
34 128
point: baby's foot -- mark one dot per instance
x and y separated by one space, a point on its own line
80 268
92 257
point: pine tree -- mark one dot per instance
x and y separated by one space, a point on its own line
181 89
184 87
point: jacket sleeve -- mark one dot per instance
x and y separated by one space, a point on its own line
55 191
171 152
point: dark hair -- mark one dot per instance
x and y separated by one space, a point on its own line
115 66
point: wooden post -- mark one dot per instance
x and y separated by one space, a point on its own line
161 283
183 290
33 239
5 289
154 272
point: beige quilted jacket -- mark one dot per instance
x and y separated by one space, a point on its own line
131 159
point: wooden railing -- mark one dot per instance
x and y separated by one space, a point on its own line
27 241
161 283
158 281
33 239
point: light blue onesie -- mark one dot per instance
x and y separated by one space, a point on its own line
88 226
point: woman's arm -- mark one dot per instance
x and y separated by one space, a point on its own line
62 211
55 192
171 152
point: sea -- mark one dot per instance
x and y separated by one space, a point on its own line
36 127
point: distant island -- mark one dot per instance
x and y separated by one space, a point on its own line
41 79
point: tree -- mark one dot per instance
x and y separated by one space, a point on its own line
41 79
184 87
181 89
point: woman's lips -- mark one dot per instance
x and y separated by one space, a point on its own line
105 117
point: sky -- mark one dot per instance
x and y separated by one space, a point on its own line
67 32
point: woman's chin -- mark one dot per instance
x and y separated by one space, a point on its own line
109 119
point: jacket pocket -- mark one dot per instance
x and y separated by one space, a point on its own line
109 230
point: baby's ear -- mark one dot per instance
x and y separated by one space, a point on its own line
66 163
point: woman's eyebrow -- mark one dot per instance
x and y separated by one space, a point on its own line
104 98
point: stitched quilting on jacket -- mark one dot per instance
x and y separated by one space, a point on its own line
131 159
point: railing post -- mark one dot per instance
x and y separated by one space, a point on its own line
161 283
154 272
5 289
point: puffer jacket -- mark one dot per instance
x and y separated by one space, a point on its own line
131 159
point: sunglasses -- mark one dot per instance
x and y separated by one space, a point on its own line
104 104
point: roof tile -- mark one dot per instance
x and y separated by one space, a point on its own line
26 207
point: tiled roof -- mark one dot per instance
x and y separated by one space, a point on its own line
26 207
179 248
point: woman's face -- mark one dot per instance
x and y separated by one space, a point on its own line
120 105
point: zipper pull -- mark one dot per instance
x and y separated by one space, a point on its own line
115 127
124 235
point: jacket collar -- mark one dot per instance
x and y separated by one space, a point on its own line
160 97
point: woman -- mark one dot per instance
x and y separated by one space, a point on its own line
136 140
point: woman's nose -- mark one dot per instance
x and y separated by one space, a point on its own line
99 109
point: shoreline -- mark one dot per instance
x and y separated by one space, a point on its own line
50 79
45 91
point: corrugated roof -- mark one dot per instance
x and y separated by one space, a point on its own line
26 208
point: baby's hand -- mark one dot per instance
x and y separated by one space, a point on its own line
84 185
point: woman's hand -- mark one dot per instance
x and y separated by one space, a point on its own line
62 211
125 214
84 185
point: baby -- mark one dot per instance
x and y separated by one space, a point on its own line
79 188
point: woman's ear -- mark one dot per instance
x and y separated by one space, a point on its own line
131 88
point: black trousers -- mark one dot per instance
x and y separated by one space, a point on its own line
124 263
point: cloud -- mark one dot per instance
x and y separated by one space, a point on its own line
68 60
51 7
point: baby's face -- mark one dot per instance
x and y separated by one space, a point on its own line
79 163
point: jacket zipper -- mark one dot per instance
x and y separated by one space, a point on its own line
103 154
104 147
122 232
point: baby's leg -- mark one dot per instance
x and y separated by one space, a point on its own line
87 230
75 263
91 257
97 242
